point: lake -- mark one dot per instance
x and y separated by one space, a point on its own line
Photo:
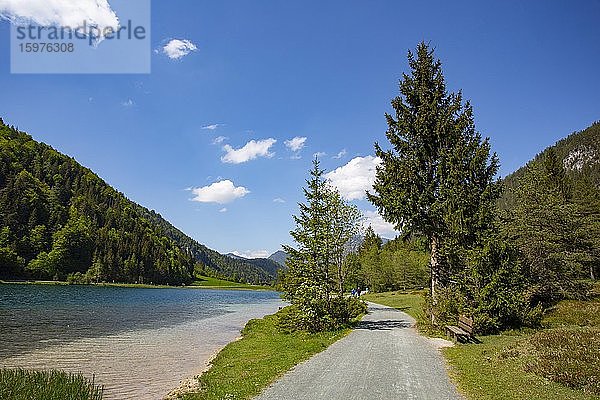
139 343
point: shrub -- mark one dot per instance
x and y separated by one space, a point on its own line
447 307
339 314
567 356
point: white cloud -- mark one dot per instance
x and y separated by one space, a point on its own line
319 154
250 151
340 154
278 200
252 253
128 103
212 127
95 13
221 192
219 139
380 226
223 210
355 178
295 144
178 48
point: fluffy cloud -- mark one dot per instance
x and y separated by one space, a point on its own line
355 178
251 150
219 139
381 227
221 192
211 127
252 253
319 154
72 14
223 210
278 200
295 144
340 154
178 48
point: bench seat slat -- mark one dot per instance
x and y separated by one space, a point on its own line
457 331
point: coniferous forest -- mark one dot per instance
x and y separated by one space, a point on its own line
60 221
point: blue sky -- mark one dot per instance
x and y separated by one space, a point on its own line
324 71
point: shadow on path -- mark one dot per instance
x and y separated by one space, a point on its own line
383 325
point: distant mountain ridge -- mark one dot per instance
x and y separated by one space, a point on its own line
58 219
265 264
279 257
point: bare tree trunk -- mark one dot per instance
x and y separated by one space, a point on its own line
341 278
434 272
592 272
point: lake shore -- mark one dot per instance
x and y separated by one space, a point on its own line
136 343
207 283
244 367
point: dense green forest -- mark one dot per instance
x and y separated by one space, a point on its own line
59 220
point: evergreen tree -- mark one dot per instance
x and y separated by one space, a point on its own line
307 282
550 233
324 226
437 180
345 224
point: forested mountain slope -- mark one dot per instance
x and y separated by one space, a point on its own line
58 218
579 154
552 205
266 264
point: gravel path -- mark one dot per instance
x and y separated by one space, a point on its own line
383 358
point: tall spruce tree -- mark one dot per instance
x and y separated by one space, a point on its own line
438 178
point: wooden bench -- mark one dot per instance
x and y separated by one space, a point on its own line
463 332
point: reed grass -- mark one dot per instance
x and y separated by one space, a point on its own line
20 384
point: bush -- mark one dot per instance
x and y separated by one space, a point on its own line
568 356
343 310
448 306
339 314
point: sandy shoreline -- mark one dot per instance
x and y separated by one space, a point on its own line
148 364
192 384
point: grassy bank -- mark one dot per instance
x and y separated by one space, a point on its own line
201 282
245 367
214 283
19 384
560 361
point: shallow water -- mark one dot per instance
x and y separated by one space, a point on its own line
139 343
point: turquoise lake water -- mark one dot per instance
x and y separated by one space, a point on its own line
139 343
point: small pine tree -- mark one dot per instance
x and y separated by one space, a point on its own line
323 227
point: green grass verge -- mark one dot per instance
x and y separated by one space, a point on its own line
214 283
245 367
574 313
19 384
505 368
